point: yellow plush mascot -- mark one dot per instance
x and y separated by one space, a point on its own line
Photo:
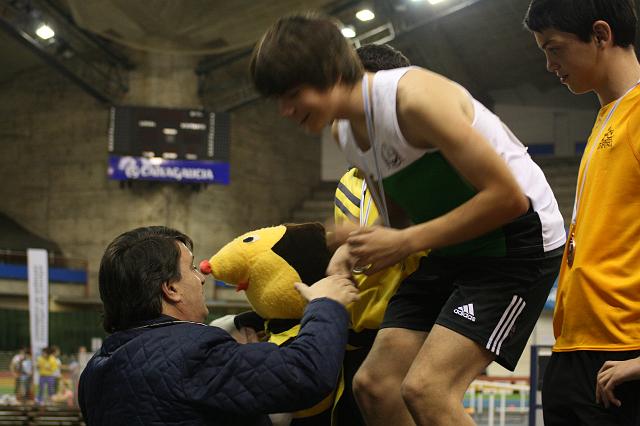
266 262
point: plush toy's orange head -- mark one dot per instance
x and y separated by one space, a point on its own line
267 262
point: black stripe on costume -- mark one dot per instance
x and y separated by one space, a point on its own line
278 326
346 211
355 200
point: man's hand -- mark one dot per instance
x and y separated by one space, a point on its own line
336 287
611 375
378 247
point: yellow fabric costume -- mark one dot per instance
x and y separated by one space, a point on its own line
376 289
265 263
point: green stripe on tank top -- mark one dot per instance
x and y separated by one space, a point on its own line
430 187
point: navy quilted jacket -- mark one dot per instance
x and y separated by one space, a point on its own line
190 374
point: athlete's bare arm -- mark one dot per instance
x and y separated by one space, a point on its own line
435 113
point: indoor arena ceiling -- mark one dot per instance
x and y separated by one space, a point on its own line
479 43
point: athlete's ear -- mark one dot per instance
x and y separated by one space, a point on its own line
602 33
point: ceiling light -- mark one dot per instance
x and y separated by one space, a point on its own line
365 15
435 1
45 32
348 32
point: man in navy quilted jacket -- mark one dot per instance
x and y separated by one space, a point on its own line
162 366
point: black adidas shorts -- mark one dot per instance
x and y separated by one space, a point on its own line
493 301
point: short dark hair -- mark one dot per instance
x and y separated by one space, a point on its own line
577 17
303 49
133 268
377 57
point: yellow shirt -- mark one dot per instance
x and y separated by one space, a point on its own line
47 366
598 299
376 289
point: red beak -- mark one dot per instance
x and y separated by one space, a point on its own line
205 267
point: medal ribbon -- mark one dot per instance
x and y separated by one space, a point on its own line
571 247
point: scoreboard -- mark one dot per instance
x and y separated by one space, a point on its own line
170 134
168 145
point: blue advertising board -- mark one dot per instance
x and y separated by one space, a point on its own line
159 169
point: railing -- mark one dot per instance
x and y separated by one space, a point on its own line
481 389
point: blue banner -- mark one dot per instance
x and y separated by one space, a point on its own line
159 169
62 275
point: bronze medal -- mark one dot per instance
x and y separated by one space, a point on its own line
571 250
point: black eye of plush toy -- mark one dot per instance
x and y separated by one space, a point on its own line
251 239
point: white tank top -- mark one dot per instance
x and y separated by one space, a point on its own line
424 194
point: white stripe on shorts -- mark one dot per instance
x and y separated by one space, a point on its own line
505 324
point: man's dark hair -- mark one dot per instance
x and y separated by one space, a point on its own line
303 49
377 57
577 17
133 268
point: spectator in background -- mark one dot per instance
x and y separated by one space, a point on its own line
83 357
57 374
77 365
65 394
47 365
24 379
14 367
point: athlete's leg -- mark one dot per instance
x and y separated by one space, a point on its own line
377 383
411 313
440 375
489 316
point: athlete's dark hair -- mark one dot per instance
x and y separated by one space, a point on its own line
577 17
303 49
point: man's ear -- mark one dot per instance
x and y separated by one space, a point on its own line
170 292
602 33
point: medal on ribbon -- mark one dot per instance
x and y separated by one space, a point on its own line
571 249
